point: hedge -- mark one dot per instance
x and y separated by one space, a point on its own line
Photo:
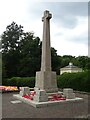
78 81
21 81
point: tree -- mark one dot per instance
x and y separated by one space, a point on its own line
83 62
31 55
21 52
11 39
80 61
55 59
66 59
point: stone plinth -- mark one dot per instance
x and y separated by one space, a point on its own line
68 92
46 80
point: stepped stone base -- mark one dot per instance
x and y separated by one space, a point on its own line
50 103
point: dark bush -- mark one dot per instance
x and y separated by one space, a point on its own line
4 81
78 81
22 81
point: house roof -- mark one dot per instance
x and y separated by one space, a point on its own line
70 66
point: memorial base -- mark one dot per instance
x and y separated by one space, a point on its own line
46 80
49 103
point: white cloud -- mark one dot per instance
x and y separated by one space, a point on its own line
12 10
69 34
70 41
69 48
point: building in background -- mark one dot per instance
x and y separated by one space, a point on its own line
70 69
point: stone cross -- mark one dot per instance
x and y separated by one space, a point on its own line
46 49
46 79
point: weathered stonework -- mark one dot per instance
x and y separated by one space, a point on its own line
68 92
40 96
46 79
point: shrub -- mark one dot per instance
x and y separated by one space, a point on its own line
78 81
22 81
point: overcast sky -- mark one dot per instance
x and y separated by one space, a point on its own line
69 23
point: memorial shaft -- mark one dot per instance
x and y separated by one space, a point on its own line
46 48
46 79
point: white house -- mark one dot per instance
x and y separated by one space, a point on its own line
70 68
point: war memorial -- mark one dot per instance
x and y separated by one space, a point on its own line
46 92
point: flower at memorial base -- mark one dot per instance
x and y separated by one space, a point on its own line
52 99
8 88
2 87
28 97
56 97
33 93
62 98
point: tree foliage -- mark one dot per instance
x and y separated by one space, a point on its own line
21 52
11 49
30 55
11 37
80 61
